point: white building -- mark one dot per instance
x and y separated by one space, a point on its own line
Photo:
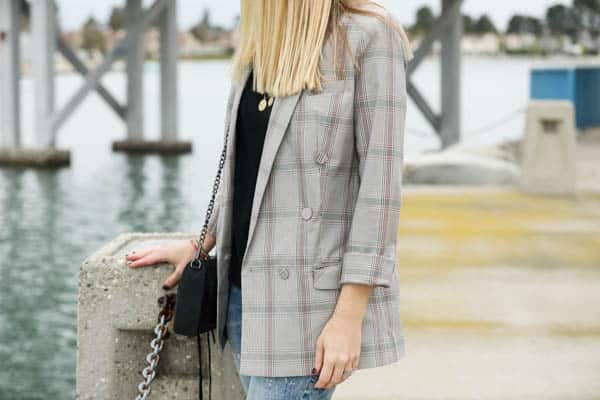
488 43
519 42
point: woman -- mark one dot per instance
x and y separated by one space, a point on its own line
305 221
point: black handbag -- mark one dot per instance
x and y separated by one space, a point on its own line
196 301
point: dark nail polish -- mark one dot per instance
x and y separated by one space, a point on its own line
314 371
166 287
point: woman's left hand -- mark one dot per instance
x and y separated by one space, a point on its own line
338 350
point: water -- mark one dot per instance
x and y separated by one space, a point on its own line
51 220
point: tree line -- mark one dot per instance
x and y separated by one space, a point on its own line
93 37
582 16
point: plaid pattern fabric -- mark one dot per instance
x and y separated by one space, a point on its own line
325 210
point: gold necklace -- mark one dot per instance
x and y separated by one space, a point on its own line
262 105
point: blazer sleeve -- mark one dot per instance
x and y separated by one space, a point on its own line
379 119
212 222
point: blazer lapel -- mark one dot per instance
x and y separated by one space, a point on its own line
283 108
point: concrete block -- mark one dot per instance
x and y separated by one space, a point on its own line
548 149
34 157
152 146
117 310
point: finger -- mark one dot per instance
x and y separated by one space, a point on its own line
336 376
325 375
319 356
349 366
355 362
174 278
137 254
344 377
150 259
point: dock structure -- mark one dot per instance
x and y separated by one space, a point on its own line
448 29
48 119
10 126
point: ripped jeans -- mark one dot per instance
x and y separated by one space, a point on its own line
262 387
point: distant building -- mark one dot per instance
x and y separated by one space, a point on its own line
188 46
519 42
222 43
589 43
26 45
552 44
488 43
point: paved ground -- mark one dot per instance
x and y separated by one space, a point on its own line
588 161
500 297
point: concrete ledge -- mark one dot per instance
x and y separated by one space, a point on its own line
117 309
152 147
34 157
549 149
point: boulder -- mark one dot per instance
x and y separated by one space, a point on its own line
464 165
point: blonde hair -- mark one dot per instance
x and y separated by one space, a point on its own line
282 40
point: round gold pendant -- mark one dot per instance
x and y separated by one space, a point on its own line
262 105
270 102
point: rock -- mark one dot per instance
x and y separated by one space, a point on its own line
459 167
508 150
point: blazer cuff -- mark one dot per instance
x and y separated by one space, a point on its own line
367 269
214 219
212 227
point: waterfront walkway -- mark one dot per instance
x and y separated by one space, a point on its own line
499 293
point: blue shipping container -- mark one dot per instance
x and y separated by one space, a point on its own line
579 84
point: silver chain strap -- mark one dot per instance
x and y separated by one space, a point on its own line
211 204
161 332
168 301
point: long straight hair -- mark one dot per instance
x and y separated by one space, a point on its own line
282 40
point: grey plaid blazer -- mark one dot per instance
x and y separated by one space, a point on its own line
325 210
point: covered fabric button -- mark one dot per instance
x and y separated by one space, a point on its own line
284 273
306 213
320 159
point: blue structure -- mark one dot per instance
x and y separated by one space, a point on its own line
579 84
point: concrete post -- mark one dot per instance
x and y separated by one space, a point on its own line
451 74
135 73
116 314
168 72
548 149
163 12
10 135
44 43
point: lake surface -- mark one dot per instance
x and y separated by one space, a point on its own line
51 220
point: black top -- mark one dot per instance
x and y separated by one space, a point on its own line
251 128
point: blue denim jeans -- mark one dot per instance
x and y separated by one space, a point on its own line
262 387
